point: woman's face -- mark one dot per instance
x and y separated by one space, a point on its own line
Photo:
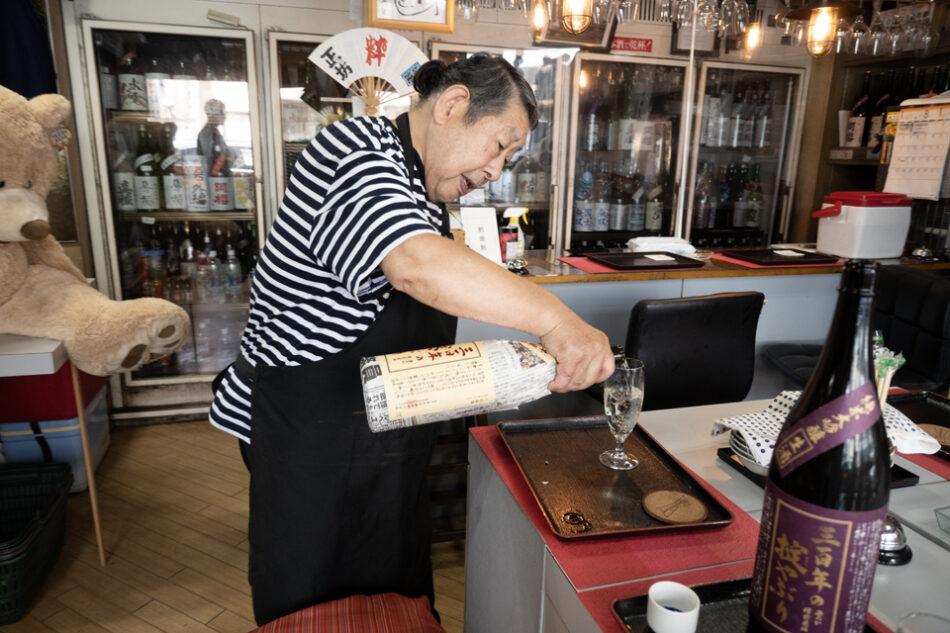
462 157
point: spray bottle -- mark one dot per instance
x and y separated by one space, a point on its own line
511 235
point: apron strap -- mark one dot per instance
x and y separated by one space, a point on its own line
408 155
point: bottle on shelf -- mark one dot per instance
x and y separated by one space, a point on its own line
527 175
148 191
503 189
756 202
133 91
123 175
156 75
723 128
828 483
600 208
594 130
740 207
108 83
857 121
738 119
234 278
653 220
627 121
216 281
763 119
219 179
619 211
723 216
172 169
711 110
705 199
584 197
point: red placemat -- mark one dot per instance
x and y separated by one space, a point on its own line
746 264
590 266
933 463
607 560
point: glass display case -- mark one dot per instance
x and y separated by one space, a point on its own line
176 131
533 177
625 143
743 159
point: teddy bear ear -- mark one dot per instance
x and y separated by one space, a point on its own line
50 110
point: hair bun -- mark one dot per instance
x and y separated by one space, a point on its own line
429 78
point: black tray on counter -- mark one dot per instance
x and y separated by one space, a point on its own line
580 497
642 261
900 476
768 257
724 609
924 407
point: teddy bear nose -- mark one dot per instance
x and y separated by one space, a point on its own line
35 229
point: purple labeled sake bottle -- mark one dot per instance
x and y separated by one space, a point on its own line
828 484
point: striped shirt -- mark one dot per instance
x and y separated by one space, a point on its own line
318 284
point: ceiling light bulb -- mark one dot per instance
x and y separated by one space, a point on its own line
753 37
820 38
577 15
582 80
540 15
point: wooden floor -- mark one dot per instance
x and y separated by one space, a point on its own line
173 502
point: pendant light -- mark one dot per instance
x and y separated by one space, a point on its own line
576 15
822 16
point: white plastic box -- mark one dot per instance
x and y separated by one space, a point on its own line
863 224
21 444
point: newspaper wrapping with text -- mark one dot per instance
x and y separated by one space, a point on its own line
452 381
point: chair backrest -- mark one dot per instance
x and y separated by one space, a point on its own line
912 311
695 350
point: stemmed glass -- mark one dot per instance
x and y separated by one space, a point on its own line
623 398
922 623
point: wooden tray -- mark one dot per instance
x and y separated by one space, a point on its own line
580 497
900 476
724 609
924 407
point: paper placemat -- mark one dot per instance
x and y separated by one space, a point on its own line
745 264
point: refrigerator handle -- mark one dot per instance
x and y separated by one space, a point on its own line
557 243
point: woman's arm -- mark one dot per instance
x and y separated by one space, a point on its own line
450 277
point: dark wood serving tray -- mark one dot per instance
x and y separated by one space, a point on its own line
900 476
580 497
925 407
724 609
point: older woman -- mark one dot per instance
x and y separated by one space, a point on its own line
357 264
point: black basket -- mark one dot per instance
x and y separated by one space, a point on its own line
32 524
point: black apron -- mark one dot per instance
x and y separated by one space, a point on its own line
335 509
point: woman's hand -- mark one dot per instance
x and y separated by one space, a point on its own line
583 354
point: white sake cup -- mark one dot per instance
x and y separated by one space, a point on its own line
672 608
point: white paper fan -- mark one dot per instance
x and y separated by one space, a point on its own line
363 59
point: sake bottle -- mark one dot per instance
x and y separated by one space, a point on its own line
827 488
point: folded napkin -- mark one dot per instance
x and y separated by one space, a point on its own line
760 430
661 243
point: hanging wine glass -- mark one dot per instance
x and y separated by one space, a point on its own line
896 37
878 36
842 36
727 12
628 10
665 10
743 16
860 36
799 32
600 11
466 10
707 13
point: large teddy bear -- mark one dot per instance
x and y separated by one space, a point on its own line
41 292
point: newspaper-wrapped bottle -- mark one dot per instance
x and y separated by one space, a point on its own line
452 381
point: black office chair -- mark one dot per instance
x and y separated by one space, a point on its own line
912 311
695 350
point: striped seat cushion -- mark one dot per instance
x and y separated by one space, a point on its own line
380 613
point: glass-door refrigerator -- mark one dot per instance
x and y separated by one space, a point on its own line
177 152
534 177
624 146
744 154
